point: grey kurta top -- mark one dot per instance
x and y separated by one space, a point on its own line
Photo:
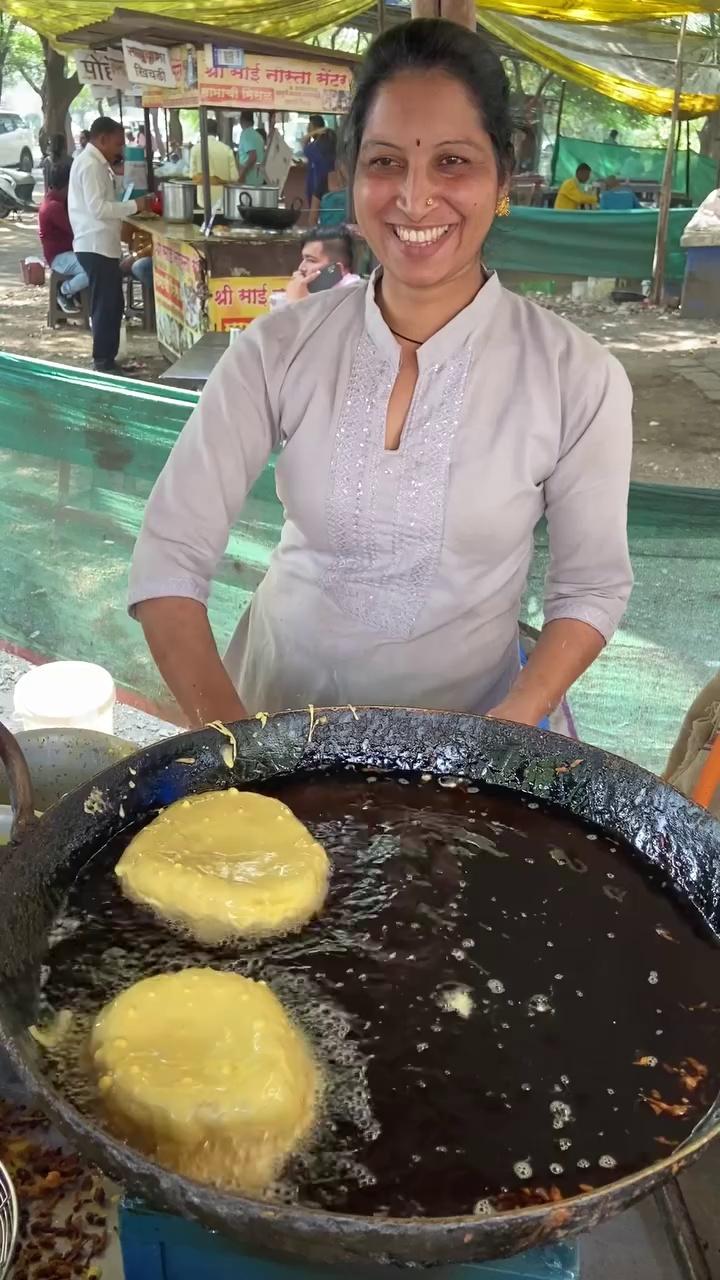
398 576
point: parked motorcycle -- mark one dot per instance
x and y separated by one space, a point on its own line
16 191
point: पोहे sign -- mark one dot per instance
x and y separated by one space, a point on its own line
235 301
102 69
148 64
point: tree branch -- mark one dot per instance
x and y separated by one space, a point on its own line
29 80
536 97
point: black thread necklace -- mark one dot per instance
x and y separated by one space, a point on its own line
415 341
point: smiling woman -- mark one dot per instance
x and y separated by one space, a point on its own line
428 183
426 422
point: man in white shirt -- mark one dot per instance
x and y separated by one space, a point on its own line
326 256
96 216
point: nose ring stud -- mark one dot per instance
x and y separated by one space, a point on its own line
429 202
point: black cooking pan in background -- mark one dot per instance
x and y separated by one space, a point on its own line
272 219
671 839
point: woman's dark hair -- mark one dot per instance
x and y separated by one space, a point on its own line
434 44
59 174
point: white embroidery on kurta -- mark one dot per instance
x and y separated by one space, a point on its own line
386 561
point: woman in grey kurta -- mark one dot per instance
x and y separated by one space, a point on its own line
400 570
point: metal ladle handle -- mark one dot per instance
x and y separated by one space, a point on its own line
19 784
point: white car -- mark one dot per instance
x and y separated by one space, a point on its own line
16 143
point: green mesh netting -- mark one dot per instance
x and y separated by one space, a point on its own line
588 243
637 163
79 454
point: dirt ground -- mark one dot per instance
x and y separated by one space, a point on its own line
673 364
23 312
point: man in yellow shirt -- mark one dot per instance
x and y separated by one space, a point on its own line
223 165
571 194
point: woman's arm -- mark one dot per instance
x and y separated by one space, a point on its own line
183 646
590 578
565 649
220 453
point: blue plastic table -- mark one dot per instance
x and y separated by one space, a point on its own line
157 1246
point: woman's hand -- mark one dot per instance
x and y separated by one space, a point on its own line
517 710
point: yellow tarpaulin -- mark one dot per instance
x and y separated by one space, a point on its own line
634 64
298 19
600 10
286 19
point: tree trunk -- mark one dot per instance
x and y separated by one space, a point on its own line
58 92
175 128
158 141
460 11
7 26
710 138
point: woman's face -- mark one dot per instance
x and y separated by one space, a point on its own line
426 183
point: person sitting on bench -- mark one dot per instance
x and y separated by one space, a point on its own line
56 237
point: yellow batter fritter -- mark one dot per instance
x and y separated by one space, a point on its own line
205 1073
227 864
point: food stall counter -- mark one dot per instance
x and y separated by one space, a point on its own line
214 283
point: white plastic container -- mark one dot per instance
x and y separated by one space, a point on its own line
69 695
599 288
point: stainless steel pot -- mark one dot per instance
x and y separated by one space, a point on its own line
59 761
237 196
178 200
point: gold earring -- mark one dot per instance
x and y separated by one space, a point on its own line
502 208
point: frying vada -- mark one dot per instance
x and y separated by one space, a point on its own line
204 1072
227 864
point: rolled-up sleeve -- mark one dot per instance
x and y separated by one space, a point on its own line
200 493
586 498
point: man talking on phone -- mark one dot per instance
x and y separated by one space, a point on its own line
326 261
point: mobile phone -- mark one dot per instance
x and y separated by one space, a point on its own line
327 279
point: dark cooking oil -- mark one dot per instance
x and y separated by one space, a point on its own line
507 1008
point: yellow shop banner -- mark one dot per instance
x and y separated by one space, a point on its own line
235 301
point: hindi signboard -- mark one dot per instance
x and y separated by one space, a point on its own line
277 84
102 69
148 64
263 83
235 301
